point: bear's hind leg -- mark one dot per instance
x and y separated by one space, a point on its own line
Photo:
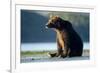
52 54
58 53
75 53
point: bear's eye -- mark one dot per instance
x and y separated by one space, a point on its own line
52 21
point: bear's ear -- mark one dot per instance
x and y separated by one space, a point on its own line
51 15
56 17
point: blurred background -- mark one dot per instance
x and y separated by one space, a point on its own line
35 37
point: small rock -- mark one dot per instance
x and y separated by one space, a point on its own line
32 58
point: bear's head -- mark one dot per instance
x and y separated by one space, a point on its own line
58 23
54 22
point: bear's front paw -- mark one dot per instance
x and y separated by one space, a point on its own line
63 55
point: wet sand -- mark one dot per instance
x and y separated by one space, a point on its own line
46 58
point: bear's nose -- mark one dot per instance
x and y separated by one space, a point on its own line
46 24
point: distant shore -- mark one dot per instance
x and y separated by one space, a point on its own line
45 46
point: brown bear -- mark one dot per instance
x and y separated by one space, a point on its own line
69 43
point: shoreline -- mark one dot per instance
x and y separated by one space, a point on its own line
42 56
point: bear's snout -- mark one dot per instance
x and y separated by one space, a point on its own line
48 25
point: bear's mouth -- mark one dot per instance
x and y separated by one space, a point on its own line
46 26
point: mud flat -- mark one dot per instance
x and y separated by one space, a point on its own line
29 57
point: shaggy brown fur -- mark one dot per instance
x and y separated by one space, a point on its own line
69 43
